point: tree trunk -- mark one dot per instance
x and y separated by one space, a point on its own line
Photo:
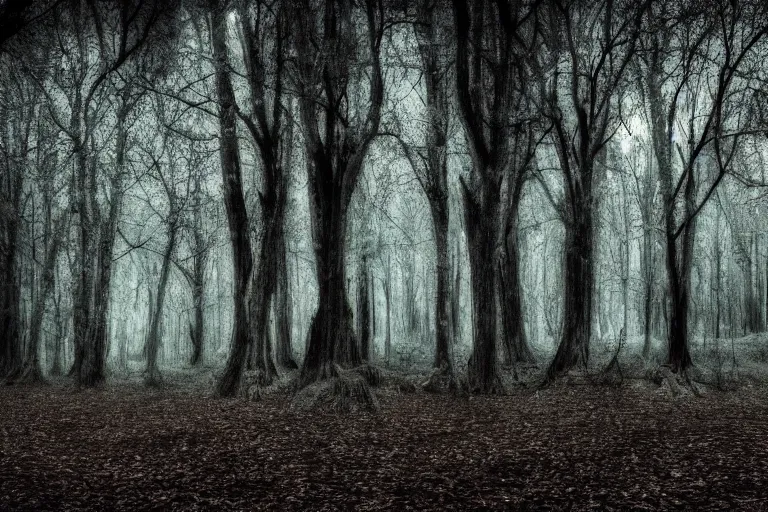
481 207
625 259
331 337
516 348
196 330
647 289
263 287
97 240
11 188
456 296
679 276
387 285
152 375
363 310
751 295
10 296
373 310
234 204
92 368
282 304
268 268
334 161
578 285
59 338
31 371
443 294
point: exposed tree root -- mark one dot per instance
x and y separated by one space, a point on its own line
370 373
26 374
676 384
441 380
31 374
490 386
323 372
347 392
612 374
153 379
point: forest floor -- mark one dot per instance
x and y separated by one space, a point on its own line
566 447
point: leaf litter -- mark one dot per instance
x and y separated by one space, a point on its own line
562 448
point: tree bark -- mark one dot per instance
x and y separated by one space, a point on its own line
197 281
456 296
197 330
234 204
516 348
282 303
263 287
335 161
59 337
363 310
647 262
10 293
481 218
31 371
331 337
152 376
92 369
443 295
387 285
578 282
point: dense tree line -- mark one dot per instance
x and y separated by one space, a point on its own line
346 182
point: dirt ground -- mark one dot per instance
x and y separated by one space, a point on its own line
562 448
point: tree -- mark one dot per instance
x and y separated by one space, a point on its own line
234 201
430 165
201 246
31 370
88 62
645 188
263 37
283 309
331 51
364 309
721 39
491 38
14 147
598 40
164 168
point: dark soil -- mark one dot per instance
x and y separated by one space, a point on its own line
563 448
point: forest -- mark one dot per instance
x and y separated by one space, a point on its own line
383 254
